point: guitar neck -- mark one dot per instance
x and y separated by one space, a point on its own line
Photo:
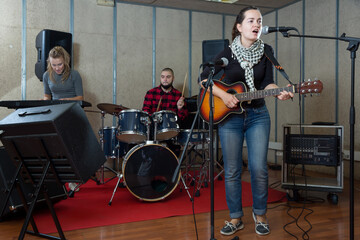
247 96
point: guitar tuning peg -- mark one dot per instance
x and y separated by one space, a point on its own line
309 80
316 78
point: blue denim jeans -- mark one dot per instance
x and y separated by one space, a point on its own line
253 126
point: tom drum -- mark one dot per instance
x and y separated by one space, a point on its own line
132 126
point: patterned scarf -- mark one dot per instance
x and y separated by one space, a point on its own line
248 57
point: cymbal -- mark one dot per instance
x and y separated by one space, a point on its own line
111 108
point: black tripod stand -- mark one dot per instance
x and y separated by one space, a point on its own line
352 47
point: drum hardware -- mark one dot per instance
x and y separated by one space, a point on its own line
189 178
156 119
204 174
148 127
192 153
119 176
185 186
165 124
197 147
111 147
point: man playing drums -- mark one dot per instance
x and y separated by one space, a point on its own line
165 96
163 101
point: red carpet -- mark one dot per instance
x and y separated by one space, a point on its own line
89 207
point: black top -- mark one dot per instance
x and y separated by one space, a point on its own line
233 72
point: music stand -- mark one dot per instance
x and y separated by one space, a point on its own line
49 144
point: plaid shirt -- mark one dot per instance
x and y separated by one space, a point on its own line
168 102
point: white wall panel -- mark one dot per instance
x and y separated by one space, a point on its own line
134 54
92 55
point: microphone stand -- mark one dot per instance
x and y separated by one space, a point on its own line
209 84
352 47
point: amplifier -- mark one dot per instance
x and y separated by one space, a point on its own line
312 149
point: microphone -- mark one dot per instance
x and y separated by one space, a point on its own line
223 62
267 29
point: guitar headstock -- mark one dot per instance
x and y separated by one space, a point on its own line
311 87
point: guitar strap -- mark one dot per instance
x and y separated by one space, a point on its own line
273 60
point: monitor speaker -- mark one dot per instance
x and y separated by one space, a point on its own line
58 133
15 205
211 48
45 41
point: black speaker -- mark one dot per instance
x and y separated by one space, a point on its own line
58 133
211 48
7 172
45 41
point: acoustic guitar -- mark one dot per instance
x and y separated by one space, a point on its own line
221 111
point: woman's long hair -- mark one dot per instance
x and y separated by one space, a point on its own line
59 52
239 19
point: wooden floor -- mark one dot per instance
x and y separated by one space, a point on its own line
326 221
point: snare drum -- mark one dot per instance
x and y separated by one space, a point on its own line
197 136
132 126
148 170
167 127
112 147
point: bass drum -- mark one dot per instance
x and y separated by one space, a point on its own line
148 170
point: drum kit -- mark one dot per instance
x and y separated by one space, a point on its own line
148 166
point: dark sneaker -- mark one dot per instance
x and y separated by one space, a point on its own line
260 227
230 228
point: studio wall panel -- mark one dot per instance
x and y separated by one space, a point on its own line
172 45
320 59
93 55
10 48
349 19
134 54
289 58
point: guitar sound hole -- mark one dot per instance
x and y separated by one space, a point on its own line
232 91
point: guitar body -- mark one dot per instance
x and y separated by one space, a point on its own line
239 90
220 110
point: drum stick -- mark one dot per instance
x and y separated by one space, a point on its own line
183 90
157 109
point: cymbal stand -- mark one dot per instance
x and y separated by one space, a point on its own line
186 176
189 165
185 187
203 177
